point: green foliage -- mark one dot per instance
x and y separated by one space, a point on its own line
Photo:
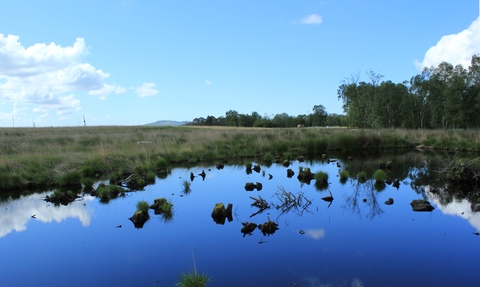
321 176
161 163
95 167
248 165
344 176
280 147
380 175
89 141
268 158
362 177
345 141
143 206
150 177
186 184
140 169
321 180
167 207
115 177
193 279
70 178
107 192
87 183
287 155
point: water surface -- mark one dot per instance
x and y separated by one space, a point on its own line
356 241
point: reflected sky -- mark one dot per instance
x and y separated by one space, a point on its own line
461 208
358 240
16 214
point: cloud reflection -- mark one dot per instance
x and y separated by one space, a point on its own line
315 233
460 208
15 214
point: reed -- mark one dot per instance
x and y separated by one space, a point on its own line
44 157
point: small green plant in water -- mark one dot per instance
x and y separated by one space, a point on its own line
186 186
362 176
344 176
380 176
143 206
321 180
268 158
193 278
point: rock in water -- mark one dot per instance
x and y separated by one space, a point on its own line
421 205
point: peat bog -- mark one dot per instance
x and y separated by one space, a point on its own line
336 221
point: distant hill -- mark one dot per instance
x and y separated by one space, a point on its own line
166 123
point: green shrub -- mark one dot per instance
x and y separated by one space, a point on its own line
345 141
186 186
344 175
321 176
380 175
70 179
161 163
362 176
88 184
268 158
150 177
193 279
143 206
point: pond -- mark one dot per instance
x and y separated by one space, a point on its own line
354 240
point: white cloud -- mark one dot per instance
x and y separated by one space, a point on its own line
312 19
455 49
146 90
315 233
208 82
104 91
42 74
17 213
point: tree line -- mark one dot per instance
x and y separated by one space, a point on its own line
439 97
318 117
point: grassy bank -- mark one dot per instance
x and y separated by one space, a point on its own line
41 157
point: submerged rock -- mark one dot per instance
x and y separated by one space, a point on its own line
249 186
220 213
268 227
248 228
389 201
139 218
290 173
421 205
159 204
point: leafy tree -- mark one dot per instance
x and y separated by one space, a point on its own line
319 116
231 118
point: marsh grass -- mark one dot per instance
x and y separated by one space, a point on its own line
193 278
321 180
344 176
43 157
379 176
186 185
362 177
143 206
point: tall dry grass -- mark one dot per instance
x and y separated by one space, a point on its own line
40 156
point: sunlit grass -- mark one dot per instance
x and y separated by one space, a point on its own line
64 156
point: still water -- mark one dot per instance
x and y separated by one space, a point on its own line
358 240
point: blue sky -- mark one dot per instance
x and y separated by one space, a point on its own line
135 62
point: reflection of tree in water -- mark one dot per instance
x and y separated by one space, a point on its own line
363 193
433 178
